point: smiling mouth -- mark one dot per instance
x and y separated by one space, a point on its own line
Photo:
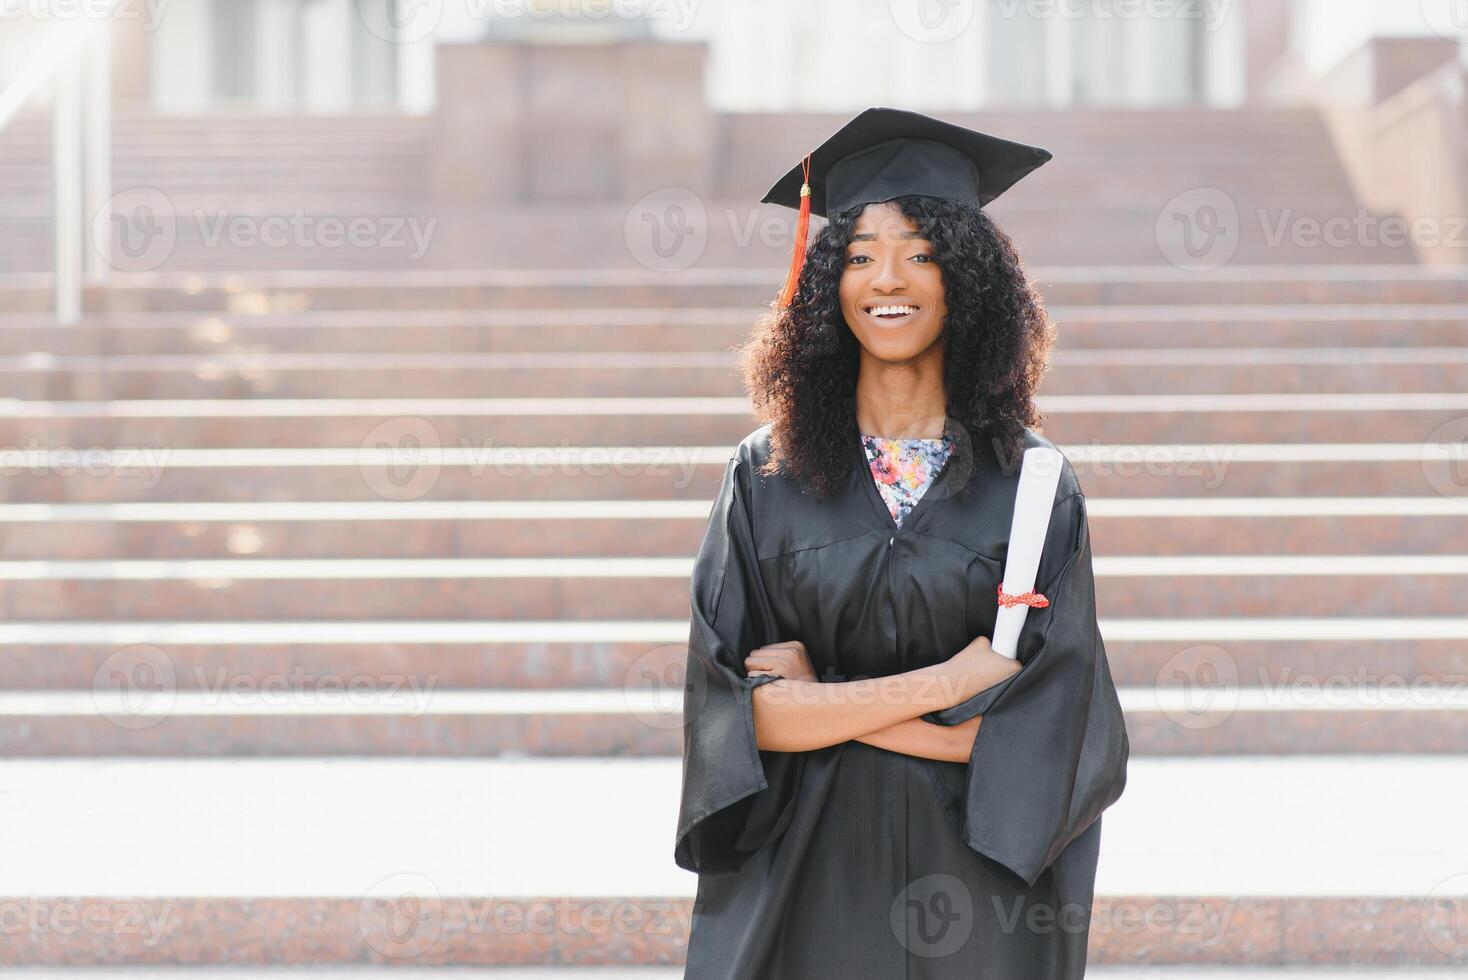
891 312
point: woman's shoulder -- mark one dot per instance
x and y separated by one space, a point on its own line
754 448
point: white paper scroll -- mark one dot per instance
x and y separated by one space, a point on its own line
1039 475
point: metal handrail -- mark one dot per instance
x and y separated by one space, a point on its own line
80 160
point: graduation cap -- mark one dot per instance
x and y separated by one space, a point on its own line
885 153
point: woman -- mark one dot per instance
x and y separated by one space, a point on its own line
869 790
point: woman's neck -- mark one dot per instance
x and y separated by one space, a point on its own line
901 401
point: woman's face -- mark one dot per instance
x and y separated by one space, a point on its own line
891 286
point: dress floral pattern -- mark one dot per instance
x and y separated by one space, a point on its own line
904 468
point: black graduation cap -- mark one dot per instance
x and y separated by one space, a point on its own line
885 153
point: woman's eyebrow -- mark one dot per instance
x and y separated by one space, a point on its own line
871 237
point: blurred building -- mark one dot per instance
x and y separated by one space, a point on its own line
769 55
528 127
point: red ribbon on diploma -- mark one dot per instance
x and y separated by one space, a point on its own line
1033 599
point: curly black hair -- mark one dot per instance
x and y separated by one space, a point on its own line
800 366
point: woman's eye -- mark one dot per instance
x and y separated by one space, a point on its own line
921 256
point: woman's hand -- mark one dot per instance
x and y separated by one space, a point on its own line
977 668
786 658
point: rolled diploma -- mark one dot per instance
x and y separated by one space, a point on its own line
1039 475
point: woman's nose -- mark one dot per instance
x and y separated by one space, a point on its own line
889 274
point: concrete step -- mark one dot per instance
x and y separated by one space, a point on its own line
1068 235
707 285
671 528
655 588
223 423
1232 862
1247 653
239 374
1090 335
421 471
231 718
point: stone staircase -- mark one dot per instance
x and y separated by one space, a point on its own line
343 611
241 193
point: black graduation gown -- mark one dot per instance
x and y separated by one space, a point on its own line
853 862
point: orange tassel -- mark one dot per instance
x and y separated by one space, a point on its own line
802 227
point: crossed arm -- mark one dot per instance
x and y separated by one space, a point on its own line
949 743
798 713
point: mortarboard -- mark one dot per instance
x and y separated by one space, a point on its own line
884 153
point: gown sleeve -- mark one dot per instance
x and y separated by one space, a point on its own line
735 796
1051 752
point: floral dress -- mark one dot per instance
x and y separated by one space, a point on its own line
903 468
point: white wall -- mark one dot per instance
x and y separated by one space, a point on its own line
1332 29
830 55
839 54
179 52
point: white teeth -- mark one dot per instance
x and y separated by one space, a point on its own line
891 310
